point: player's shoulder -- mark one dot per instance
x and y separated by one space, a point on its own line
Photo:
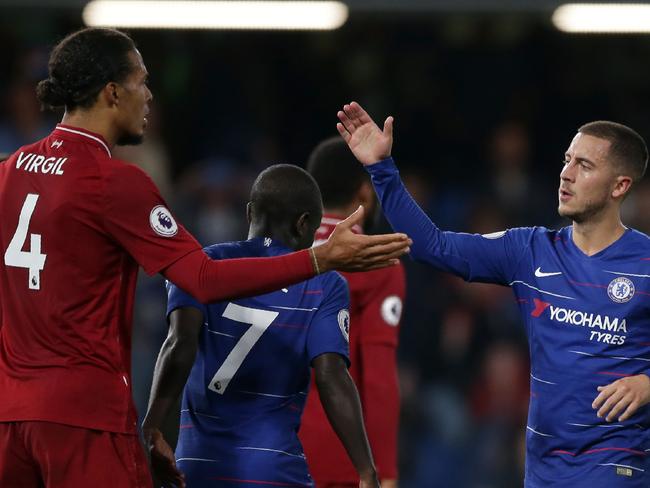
634 244
528 235
332 282
120 168
639 237
552 235
229 250
32 147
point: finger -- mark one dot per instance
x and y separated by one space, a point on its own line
611 401
370 267
384 264
343 131
629 411
387 238
388 127
359 113
349 113
355 218
382 251
619 407
394 256
605 393
176 477
345 120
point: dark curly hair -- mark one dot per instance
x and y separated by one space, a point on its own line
82 64
337 172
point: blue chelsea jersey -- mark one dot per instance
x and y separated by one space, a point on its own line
588 324
245 395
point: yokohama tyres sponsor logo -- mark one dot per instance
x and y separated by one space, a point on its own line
580 318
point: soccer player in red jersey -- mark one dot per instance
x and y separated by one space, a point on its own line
76 225
376 299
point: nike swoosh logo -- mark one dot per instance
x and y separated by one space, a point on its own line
540 274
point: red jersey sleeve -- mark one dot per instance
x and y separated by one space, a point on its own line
381 306
138 218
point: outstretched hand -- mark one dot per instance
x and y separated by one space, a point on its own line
347 251
622 398
163 463
366 140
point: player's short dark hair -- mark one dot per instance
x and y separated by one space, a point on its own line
283 192
627 148
82 64
337 172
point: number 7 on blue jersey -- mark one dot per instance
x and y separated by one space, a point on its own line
260 320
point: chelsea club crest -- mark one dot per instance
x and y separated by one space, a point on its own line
621 289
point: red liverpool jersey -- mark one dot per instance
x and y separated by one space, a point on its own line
376 299
75 226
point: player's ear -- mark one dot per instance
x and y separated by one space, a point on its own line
621 186
302 223
110 93
304 230
249 212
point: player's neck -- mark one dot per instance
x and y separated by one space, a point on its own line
275 234
596 234
91 121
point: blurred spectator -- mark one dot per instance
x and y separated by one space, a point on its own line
482 122
151 156
24 120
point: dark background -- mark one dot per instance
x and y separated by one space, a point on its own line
486 97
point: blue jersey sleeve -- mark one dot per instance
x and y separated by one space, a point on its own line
490 258
177 298
329 331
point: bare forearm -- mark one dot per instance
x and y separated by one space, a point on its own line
343 408
170 375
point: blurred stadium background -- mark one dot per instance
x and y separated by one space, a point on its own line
486 94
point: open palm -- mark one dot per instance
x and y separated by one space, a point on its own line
366 140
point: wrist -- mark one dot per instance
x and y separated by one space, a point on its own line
319 256
150 431
368 474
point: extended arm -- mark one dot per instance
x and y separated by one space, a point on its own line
340 400
170 375
210 281
473 257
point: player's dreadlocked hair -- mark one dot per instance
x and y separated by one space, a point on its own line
337 172
82 64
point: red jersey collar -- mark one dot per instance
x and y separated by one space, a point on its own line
84 135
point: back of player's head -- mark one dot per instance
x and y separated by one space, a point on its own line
337 172
281 194
627 148
82 64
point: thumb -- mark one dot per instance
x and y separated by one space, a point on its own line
388 126
355 218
